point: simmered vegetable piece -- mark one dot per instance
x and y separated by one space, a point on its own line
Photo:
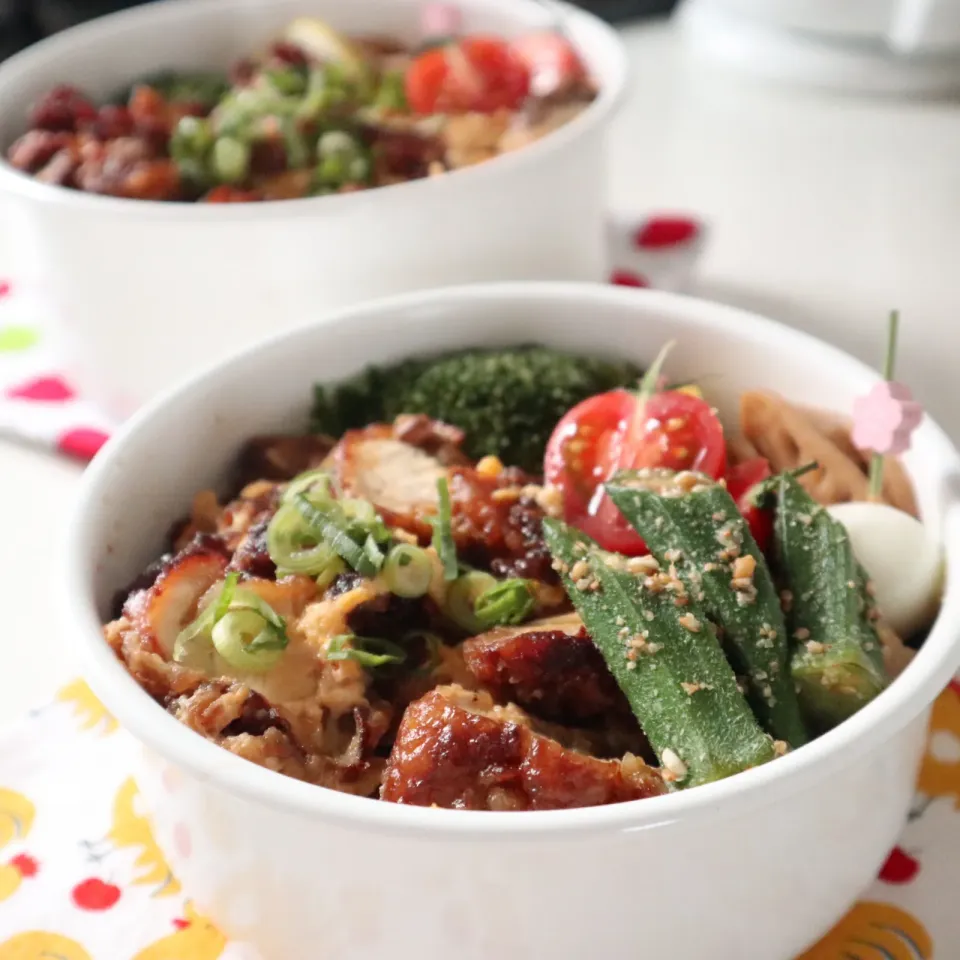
692 526
838 661
665 655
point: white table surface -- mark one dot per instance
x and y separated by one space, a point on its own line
826 213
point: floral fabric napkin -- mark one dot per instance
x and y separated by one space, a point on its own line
81 877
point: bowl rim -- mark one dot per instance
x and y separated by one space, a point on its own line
886 716
577 22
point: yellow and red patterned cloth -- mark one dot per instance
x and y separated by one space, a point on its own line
81 877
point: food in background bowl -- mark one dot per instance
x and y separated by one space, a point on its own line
315 113
387 609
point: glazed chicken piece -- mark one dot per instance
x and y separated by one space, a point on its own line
457 749
548 666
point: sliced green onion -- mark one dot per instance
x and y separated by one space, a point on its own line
408 571
342 158
231 159
510 601
363 650
289 81
331 524
247 641
242 627
293 548
392 94
190 145
443 532
307 482
462 597
326 578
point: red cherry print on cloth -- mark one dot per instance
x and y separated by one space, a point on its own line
900 867
82 443
94 894
180 923
5 288
659 232
25 865
628 278
44 390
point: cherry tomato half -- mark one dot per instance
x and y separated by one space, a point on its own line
740 481
475 74
551 60
607 433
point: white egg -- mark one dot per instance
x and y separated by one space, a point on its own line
903 558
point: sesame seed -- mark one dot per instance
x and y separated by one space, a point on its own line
815 647
648 615
673 763
691 688
801 633
579 570
689 622
744 567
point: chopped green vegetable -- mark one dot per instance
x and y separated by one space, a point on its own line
190 146
230 160
329 522
342 158
392 94
443 532
691 524
294 547
510 601
664 654
407 571
838 661
290 81
462 597
507 401
203 88
243 628
363 650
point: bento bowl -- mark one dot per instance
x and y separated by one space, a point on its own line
143 292
755 866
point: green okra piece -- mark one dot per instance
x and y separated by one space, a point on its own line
837 663
691 524
665 656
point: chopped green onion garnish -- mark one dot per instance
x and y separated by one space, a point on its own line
331 524
242 627
247 641
510 601
231 160
462 597
347 646
335 568
289 81
408 570
392 94
443 532
312 480
295 549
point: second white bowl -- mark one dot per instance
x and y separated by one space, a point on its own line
145 292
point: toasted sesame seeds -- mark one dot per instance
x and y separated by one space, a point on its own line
691 688
648 615
851 585
689 622
686 480
815 647
801 633
505 495
560 566
780 748
579 570
710 567
805 519
619 621
631 665
674 424
672 762
672 556
719 517
642 565
744 567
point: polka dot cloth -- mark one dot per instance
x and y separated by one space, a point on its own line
38 404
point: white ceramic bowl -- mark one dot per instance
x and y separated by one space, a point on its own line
146 292
755 866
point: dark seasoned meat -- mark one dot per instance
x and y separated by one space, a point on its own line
161 611
440 440
251 555
388 616
280 458
456 749
550 667
400 155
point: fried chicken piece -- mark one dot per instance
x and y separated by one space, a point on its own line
457 749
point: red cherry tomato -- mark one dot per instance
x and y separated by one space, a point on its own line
475 74
551 60
740 481
608 433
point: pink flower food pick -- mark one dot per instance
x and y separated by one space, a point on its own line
440 20
884 420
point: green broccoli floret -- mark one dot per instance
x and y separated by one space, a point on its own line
507 401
